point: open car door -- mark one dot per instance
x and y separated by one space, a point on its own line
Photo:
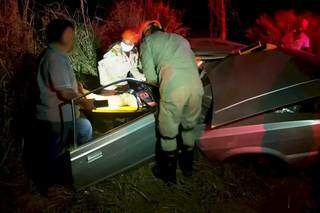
122 138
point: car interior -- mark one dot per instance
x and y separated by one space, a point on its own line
132 100
311 105
106 118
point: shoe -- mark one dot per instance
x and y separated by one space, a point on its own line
165 169
186 161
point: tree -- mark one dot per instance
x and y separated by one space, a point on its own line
218 19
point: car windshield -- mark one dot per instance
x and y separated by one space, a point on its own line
115 107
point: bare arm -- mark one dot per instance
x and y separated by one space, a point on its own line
67 94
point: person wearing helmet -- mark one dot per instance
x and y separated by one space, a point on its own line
120 61
168 61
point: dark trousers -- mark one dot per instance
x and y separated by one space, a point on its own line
47 160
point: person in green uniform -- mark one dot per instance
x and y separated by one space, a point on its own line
168 61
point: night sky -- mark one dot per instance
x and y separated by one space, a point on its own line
242 13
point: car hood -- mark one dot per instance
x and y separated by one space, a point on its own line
246 85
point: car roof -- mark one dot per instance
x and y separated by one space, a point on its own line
246 85
213 47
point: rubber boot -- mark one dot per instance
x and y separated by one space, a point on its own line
186 161
166 167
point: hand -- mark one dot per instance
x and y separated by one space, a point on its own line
82 89
87 104
199 63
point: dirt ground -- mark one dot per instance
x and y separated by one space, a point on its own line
215 187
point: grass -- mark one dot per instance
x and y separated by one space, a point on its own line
215 187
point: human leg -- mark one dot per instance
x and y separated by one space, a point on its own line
84 130
189 134
168 125
39 155
60 170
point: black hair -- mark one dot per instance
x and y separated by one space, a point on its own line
56 28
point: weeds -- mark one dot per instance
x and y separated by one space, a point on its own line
84 56
124 15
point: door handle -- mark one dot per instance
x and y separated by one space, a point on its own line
94 156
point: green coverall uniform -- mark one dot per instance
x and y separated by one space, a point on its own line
168 61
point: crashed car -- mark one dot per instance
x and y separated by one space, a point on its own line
266 102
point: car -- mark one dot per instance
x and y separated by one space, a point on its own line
266 102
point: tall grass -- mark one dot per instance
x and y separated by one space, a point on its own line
125 14
84 56
16 40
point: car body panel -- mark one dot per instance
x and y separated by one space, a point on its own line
245 90
214 47
240 94
286 140
114 152
246 85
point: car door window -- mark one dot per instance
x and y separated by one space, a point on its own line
307 106
115 107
